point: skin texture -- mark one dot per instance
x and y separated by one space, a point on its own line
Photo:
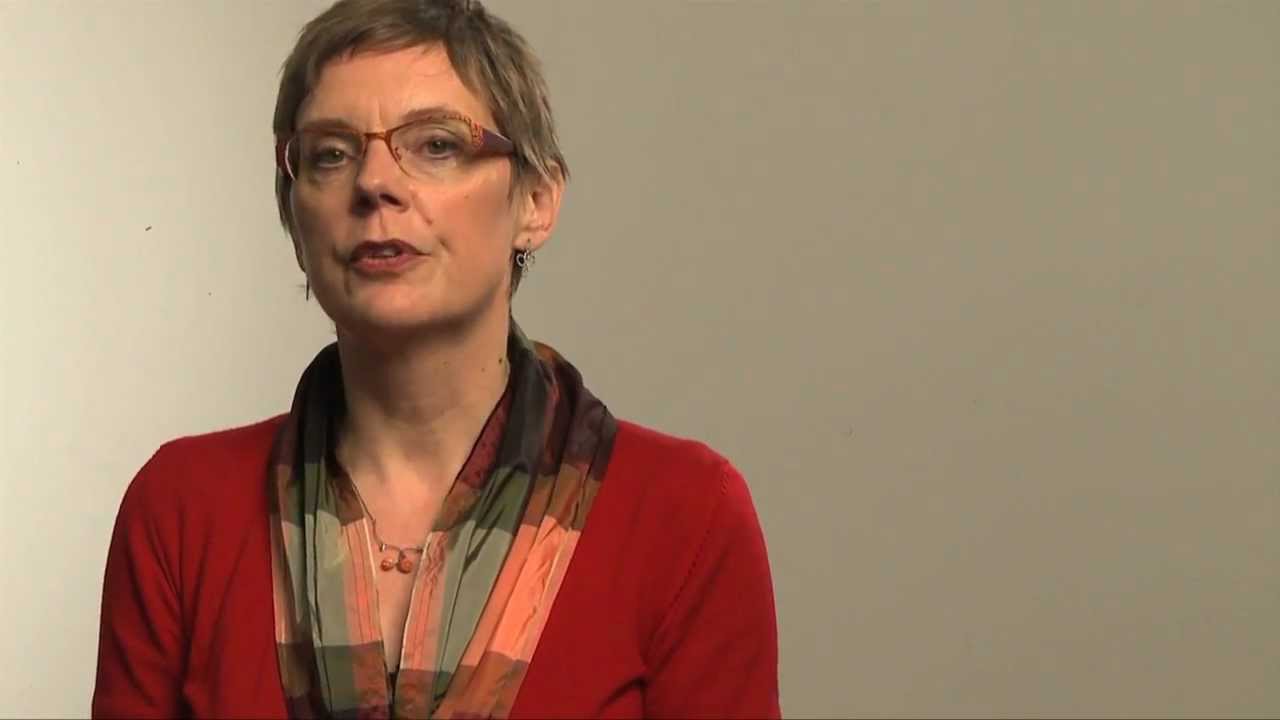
423 351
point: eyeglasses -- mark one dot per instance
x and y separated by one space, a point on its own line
436 147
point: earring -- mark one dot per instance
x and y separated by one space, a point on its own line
524 259
307 292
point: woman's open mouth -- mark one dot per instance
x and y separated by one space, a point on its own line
384 256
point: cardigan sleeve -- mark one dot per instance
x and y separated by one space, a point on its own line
140 640
715 653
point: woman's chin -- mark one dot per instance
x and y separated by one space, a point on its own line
396 321
381 324
388 315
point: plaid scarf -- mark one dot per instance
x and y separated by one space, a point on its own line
492 563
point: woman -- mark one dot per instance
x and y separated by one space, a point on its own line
447 523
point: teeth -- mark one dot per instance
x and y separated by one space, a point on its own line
385 252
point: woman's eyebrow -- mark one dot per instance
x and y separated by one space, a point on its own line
338 123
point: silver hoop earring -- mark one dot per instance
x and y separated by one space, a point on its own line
524 259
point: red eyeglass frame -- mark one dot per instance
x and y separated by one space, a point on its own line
484 142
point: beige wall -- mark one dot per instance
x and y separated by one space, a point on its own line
982 298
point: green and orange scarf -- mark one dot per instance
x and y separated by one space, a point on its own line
492 563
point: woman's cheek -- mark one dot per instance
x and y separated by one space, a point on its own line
315 234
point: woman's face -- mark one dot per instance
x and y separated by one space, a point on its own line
459 232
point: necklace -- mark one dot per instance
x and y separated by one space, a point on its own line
402 561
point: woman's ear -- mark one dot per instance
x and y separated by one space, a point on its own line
540 208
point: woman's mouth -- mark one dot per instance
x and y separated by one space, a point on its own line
382 257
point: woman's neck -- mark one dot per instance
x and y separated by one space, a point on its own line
413 413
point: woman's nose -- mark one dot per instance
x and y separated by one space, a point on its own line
380 180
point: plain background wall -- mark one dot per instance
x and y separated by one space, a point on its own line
981 297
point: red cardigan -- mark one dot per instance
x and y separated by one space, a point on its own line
666 610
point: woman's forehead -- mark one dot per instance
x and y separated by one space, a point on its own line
375 90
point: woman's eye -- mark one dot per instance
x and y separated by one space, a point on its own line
439 147
328 157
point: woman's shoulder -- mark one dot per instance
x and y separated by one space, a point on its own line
212 466
232 444
674 474
676 517
656 456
